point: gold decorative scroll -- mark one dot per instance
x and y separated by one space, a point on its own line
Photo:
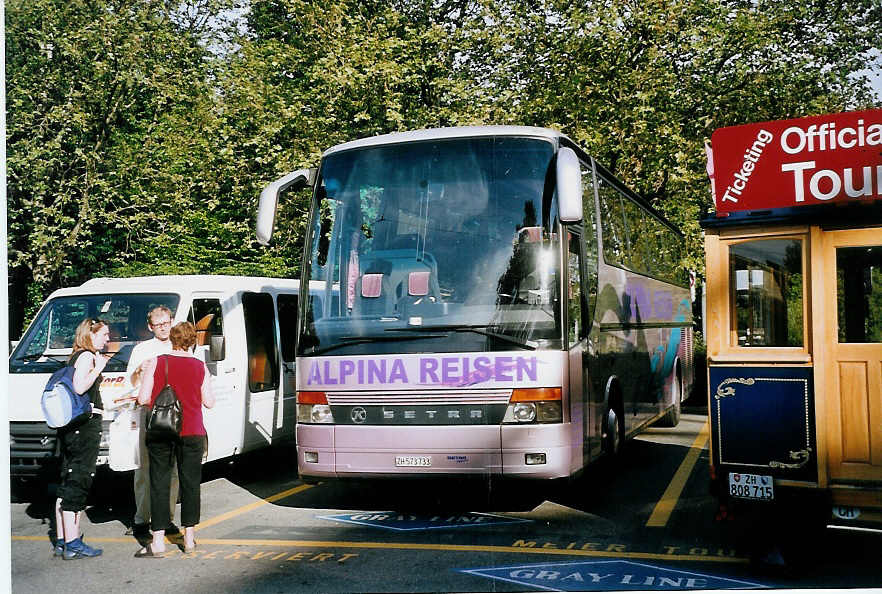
801 457
724 390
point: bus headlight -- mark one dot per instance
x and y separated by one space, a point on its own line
549 412
312 407
314 413
534 405
522 412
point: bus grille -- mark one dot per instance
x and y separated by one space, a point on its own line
416 398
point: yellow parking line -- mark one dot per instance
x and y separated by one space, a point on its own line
330 544
662 512
251 506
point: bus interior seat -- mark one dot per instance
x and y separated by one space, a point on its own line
202 329
259 370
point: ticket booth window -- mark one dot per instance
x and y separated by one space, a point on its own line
859 294
766 284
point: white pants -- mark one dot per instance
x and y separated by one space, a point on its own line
142 478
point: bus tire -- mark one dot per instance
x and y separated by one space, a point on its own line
672 417
612 433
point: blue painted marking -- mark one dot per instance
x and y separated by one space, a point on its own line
607 576
403 521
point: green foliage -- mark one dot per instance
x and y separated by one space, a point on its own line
140 133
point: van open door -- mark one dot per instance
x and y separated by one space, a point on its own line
264 402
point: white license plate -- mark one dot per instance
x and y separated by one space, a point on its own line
751 486
413 460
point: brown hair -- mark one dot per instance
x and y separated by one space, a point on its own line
183 336
83 336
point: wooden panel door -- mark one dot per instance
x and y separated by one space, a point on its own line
852 288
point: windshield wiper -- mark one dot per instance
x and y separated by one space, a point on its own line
35 356
351 340
476 328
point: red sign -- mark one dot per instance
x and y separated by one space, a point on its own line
800 162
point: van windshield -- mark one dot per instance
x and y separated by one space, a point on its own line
48 342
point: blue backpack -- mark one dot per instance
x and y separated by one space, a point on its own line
60 402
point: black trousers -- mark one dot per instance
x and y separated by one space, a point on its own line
187 451
79 455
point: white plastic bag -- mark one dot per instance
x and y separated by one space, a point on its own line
124 431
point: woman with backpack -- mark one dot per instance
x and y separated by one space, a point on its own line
79 441
189 379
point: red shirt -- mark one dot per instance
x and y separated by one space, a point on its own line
185 375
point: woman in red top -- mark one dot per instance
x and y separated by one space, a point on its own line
189 378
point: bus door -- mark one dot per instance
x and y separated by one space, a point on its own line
264 403
852 343
286 305
226 418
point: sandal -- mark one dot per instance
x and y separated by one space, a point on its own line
149 553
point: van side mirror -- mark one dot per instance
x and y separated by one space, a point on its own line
569 186
217 350
269 199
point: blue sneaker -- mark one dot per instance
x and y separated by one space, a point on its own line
58 547
77 549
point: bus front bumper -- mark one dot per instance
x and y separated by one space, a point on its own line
518 451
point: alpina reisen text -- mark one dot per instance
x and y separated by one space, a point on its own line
435 370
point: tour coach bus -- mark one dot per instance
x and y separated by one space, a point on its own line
245 330
507 307
794 301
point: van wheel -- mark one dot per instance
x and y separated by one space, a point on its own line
672 417
612 433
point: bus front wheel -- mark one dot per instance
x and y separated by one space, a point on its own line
612 433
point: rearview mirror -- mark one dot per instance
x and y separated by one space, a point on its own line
569 186
269 199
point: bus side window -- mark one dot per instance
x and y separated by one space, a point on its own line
206 316
287 307
263 361
612 223
574 295
589 235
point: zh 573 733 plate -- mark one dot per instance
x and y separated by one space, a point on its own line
751 486
413 460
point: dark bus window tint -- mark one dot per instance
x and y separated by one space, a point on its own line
612 224
589 226
287 305
859 294
260 334
766 284
574 296
641 237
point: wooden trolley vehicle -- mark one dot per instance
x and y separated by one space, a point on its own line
794 317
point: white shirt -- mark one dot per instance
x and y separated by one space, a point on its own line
143 351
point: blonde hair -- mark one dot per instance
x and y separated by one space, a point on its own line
83 336
159 309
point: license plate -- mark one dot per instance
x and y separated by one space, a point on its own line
413 460
751 486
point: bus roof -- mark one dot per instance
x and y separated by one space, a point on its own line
443 133
179 283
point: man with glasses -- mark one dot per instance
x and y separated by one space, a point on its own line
159 321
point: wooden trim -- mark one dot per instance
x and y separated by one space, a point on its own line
753 233
820 330
762 356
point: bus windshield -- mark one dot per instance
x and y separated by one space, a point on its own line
49 340
444 245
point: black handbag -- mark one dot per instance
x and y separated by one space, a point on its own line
165 416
